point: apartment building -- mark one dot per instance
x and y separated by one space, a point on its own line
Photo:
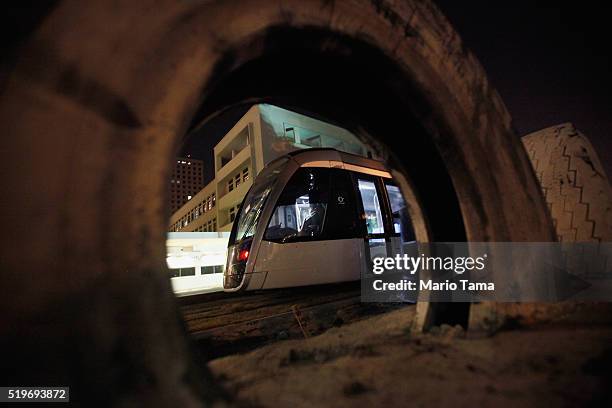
185 182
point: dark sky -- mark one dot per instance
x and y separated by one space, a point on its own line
201 142
551 64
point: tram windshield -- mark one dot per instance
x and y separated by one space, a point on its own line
316 204
253 204
301 209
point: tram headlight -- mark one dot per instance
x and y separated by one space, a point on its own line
242 251
237 264
243 255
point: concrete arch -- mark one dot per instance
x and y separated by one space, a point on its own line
95 109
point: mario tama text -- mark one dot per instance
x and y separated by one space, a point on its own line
429 284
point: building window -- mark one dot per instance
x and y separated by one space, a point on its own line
232 214
178 272
289 132
230 185
237 180
312 141
245 174
212 269
214 199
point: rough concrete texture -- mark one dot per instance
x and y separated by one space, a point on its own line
579 199
574 183
377 362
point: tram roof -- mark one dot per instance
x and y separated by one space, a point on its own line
328 157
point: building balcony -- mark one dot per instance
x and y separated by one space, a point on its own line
234 165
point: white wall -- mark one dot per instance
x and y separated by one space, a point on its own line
196 250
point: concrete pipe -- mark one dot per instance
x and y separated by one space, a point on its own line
95 107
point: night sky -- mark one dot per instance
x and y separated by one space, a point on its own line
551 64
200 143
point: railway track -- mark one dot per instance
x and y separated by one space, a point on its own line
228 323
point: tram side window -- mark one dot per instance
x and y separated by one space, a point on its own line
300 212
401 219
342 216
371 206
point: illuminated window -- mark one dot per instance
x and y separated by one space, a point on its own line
237 179
371 206
245 174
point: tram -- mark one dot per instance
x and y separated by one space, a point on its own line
312 217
